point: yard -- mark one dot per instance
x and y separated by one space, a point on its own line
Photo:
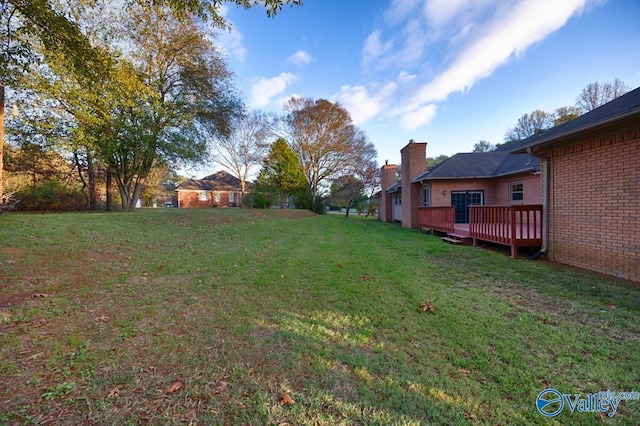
225 316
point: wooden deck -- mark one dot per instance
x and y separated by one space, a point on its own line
513 226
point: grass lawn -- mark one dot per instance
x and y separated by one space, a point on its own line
224 316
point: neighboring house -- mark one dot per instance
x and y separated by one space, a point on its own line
591 188
449 197
218 190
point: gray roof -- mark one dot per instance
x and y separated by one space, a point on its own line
624 107
220 181
478 165
395 187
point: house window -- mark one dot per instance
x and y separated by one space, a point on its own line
203 196
426 196
516 192
397 199
231 197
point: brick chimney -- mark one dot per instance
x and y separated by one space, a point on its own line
414 163
387 178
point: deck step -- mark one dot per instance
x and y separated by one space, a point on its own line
451 240
460 237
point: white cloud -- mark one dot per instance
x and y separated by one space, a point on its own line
264 89
230 41
300 58
509 34
361 104
374 47
419 117
404 77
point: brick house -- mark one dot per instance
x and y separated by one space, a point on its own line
217 190
454 196
591 188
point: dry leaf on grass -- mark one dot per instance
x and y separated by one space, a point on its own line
340 265
114 392
610 306
39 295
365 277
175 386
464 371
427 306
102 318
222 386
286 399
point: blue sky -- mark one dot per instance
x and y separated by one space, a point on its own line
446 72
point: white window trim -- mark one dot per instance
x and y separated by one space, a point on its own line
512 192
426 196
203 196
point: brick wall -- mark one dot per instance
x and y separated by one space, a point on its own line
387 178
414 163
594 215
532 186
191 199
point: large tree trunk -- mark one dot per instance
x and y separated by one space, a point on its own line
91 175
109 192
348 208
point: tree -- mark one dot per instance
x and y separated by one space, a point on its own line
345 189
53 30
566 113
281 172
176 87
325 140
597 94
432 161
529 125
243 149
483 146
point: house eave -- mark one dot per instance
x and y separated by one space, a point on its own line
568 138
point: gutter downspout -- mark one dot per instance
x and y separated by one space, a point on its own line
545 205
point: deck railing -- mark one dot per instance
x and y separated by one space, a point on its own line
516 226
437 218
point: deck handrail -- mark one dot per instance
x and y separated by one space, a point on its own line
437 218
517 225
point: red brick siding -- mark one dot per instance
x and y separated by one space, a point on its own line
191 199
414 163
439 200
532 186
388 178
594 215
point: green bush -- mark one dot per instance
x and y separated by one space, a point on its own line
50 195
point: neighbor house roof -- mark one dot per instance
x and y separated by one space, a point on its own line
220 181
477 165
626 107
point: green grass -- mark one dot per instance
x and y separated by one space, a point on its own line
241 306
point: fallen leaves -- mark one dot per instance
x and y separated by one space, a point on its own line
221 387
39 295
610 306
114 392
285 399
427 306
175 386
464 371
